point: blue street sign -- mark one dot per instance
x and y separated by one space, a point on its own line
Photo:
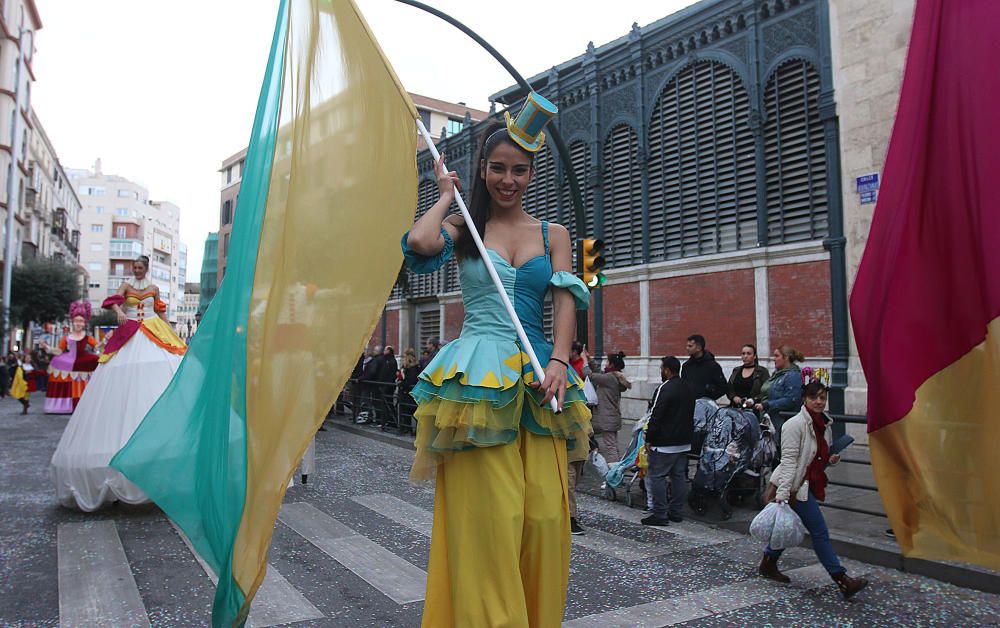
869 197
867 183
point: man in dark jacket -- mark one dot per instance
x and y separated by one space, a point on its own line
701 372
369 389
668 441
386 377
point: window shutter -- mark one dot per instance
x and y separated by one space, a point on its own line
424 285
622 197
541 200
795 153
702 168
579 156
428 323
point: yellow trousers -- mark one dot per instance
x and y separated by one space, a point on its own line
500 544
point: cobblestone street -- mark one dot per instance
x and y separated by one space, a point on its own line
350 549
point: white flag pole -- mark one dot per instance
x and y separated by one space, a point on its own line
535 364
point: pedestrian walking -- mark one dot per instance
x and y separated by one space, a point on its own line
800 480
20 389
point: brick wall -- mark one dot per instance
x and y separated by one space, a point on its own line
621 318
719 306
391 331
454 314
800 309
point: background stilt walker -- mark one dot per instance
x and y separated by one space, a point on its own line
136 366
73 365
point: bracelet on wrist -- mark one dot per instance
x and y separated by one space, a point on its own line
563 362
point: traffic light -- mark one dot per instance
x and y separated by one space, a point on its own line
592 262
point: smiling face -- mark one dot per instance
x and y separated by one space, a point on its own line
507 171
78 324
139 269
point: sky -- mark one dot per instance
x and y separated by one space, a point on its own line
162 92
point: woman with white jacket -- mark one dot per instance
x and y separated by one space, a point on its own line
800 480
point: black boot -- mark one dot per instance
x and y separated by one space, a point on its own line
849 586
769 569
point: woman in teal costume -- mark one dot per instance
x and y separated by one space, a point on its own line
500 543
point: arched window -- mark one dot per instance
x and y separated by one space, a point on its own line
702 165
795 154
622 197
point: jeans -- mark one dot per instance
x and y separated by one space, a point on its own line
662 465
813 520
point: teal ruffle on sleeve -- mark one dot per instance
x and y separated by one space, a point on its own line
422 264
569 281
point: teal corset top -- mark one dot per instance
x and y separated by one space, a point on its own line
526 286
474 392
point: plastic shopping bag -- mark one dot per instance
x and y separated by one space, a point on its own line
590 392
778 526
597 460
788 529
763 523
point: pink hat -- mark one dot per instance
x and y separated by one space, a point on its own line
80 308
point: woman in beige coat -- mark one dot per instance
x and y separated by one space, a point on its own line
800 480
607 416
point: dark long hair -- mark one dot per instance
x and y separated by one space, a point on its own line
479 200
617 360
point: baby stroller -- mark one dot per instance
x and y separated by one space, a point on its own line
753 480
626 471
704 413
730 444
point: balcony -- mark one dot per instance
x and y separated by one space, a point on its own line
125 249
115 282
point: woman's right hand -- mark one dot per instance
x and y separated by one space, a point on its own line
122 319
447 182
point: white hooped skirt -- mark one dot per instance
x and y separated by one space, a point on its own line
120 393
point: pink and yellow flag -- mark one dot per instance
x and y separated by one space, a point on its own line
926 302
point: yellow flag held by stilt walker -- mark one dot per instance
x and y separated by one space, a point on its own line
328 186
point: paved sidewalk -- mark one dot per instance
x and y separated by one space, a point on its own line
855 535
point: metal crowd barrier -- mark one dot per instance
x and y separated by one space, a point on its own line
385 404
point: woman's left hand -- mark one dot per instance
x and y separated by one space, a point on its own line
835 458
555 384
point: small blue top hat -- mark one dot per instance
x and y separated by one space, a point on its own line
526 128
